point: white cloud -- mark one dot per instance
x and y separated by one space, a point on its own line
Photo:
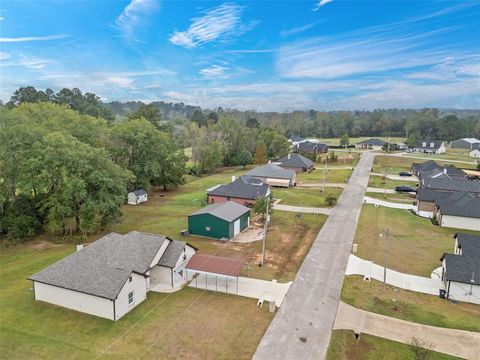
34 38
250 51
4 55
219 23
298 29
320 4
134 15
2 18
214 71
33 62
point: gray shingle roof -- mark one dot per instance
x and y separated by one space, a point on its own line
172 253
463 268
309 146
245 187
451 185
271 171
103 267
296 138
426 166
436 144
295 161
372 141
139 192
460 203
227 211
424 194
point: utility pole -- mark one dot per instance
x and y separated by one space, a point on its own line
385 260
264 244
324 174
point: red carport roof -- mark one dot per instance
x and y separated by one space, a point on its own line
215 264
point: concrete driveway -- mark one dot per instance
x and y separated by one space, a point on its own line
370 200
461 343
302 209
398 177
302 327
380 190
248 287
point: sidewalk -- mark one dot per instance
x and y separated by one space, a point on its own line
302 209
370 200
461 343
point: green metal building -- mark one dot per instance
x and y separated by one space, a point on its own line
220 221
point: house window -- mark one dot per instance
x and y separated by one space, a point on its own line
208 228
131 299
228 198
130 278
432 145
424 144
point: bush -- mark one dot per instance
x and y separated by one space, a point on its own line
21 220
331 200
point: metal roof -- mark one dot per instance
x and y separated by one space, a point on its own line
227 211
272 171
215 265
139 192
103 267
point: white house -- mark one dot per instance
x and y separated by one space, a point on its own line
474 153
137 197
461 270
430 147
111 276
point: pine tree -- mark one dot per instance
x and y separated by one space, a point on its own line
260 155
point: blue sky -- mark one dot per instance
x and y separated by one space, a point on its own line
263 55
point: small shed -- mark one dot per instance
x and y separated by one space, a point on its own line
137 197
220 221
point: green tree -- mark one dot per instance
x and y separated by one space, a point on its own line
212 117
344 140
260 206
243 158
199 117
148 112
211 156
260 155
252 123
331 200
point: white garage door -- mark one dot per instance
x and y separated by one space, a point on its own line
236 227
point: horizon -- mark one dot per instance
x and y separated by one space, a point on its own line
330 55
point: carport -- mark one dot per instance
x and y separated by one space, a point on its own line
217 267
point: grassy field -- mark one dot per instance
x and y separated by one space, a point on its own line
409 305
332 176
164 326
381 182
305 197
354 140
451 154
344 346
414 244
393 165
398 198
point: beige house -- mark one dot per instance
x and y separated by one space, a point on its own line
113 275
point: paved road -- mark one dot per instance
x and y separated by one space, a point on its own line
303 325
302 209
464 344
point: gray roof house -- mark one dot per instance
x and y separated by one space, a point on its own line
465 143
274 175
245 190
459 210
430 147
295 162
311 147
372 143
451 185
112 275
461 270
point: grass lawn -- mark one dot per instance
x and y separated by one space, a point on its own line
398 198
354 140
381 182
305 197
451 154
414 244
393 165
409 305
163 326
333 175
344 346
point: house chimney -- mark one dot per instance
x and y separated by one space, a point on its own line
233 178
79 247
289 155
269 161
445 170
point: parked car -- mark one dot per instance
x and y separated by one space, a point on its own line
405 189
404 173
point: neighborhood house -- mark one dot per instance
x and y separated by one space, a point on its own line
461 270
274 175
111 276
310 148
459 210
221 221
137 197
370 144
245 191
430 147
296 162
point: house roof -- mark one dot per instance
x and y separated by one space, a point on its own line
469 140
227 211
245 187
451 184
295 138
465 267
272 171
372 141
311 146
428 144
425 194
216 264
426 166
295 161
172 253
103 267
459 203
139 192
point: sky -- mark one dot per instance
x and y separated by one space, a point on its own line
260 55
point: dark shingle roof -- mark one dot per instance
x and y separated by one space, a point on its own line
139 192
172 253
227 211
296 138
103 267
245 187
372 141
451 185
428 143
426 166
424 194
460 203
309 146
296 161
271 171
465 267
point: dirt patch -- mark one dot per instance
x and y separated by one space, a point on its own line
42 245
254 233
